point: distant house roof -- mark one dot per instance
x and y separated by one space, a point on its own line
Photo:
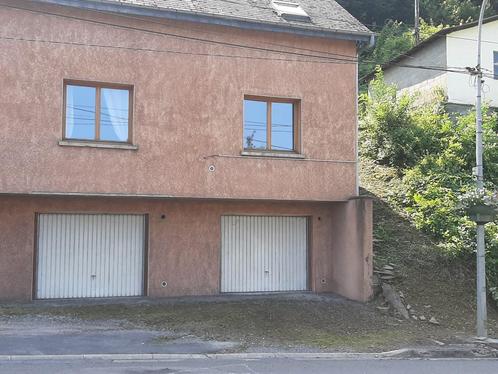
426 42
326 17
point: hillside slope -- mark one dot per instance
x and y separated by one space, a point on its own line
432 283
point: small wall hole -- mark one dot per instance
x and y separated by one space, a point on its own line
164 284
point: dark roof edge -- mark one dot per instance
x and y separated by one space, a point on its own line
120 8
426 42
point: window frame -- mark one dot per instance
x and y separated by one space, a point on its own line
296 125
98 87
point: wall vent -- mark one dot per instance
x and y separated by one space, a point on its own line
290 11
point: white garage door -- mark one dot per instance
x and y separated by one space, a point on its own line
264 254
90 255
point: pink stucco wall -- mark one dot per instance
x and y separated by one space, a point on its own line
187 117
184 248
352 249
187 109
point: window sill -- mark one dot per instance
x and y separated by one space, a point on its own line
273 154
92 144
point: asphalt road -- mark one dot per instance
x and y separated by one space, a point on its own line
285 366
38 335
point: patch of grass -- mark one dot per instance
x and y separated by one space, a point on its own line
383 339
323 323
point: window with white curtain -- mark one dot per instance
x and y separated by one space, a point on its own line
97 112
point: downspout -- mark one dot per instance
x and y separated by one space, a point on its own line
371 43
357 135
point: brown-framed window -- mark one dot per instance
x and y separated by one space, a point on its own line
271 124
97 112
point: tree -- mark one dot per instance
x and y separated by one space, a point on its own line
454 12
375 13
395 38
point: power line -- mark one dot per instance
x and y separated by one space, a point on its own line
346 58
93 112
190 38
273 145
463 71
473 40
320 59
332 61
435 68
144 19
446 70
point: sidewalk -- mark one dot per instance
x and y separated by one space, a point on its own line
232 365
452 352
43 335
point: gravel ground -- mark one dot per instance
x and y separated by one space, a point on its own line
293 323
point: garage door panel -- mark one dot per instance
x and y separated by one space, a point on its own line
90 255
263 254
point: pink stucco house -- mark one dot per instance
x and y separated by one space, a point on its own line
180 147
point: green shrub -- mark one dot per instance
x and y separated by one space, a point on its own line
434 156
390 133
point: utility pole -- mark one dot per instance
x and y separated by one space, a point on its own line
481 261
417 22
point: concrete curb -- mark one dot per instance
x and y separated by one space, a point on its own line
213 356
405 353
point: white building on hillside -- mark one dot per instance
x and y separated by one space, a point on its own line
436 59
